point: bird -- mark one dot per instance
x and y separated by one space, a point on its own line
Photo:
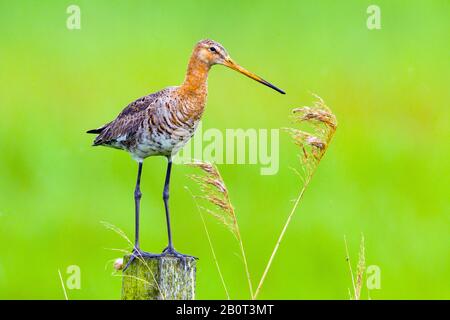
161 123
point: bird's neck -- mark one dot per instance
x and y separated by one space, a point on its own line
196 81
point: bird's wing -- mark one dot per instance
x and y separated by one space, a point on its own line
127 123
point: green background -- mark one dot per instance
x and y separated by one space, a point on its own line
385 174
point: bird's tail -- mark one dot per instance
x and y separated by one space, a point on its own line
95 131
98 130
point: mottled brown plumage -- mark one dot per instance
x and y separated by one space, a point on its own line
157 124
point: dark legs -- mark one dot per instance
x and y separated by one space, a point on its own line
137 204
170 250
166 204
137 253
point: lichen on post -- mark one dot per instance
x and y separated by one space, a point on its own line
160 278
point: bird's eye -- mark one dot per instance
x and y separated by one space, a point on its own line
212 49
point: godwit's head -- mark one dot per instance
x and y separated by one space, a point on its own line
212 52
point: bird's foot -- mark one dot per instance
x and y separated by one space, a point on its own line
139 254
171 252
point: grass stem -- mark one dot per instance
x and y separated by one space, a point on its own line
280 238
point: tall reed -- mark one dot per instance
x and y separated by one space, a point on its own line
313 147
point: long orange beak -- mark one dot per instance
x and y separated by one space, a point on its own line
233 65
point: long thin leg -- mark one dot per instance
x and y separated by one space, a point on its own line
137 204
137 253
166 203
170 250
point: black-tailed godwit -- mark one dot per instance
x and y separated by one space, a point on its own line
161 123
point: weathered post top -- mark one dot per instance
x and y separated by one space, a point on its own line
160 278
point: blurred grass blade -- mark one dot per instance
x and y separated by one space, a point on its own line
215 192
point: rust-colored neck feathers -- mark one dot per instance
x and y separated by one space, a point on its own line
196 79
195 86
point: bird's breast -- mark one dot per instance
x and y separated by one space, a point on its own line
169 127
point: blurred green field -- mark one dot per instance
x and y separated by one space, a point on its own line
385 175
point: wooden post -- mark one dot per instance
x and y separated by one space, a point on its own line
161 278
